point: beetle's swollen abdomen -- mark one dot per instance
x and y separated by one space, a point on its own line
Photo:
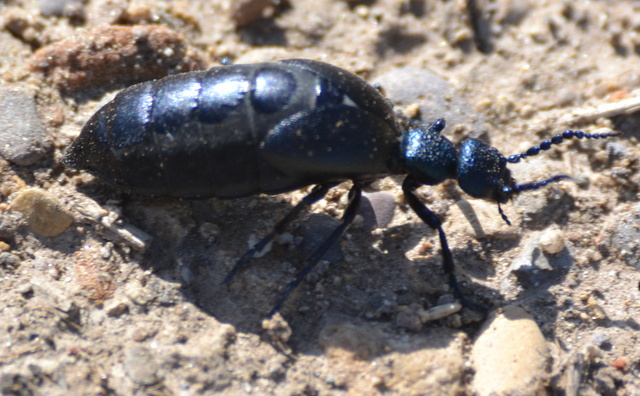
136 140
202 133
183 135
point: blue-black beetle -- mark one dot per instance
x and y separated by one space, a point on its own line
269 128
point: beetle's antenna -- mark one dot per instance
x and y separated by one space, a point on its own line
504 216
546 145
535 150
536 185
511 191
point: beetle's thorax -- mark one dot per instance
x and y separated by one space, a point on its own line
429 157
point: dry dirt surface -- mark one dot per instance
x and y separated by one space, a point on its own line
102 293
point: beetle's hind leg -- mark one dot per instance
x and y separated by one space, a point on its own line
348 216
315 195
408 187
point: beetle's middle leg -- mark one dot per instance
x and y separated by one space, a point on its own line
315 195
408 187
348 216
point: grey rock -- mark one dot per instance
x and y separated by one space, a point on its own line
534 266
626 237
52 7
21 130
602 340
9 260
436 97
377 209
60 7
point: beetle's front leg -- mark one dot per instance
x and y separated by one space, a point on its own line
408 187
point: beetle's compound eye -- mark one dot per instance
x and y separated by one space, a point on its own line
482 172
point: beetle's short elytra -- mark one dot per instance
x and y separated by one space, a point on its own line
234 131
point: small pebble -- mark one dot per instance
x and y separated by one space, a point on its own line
43 367
9 260
552 241
408 319
141 366
245 12
9 223
602 340
26 290
620 364
44 214
439 312
512 12
116 308
278 330
533 268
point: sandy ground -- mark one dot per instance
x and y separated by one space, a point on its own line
102 293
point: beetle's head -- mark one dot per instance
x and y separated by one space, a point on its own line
483 173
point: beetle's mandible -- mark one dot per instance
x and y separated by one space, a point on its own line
238 130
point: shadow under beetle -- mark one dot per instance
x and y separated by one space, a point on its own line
239 130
